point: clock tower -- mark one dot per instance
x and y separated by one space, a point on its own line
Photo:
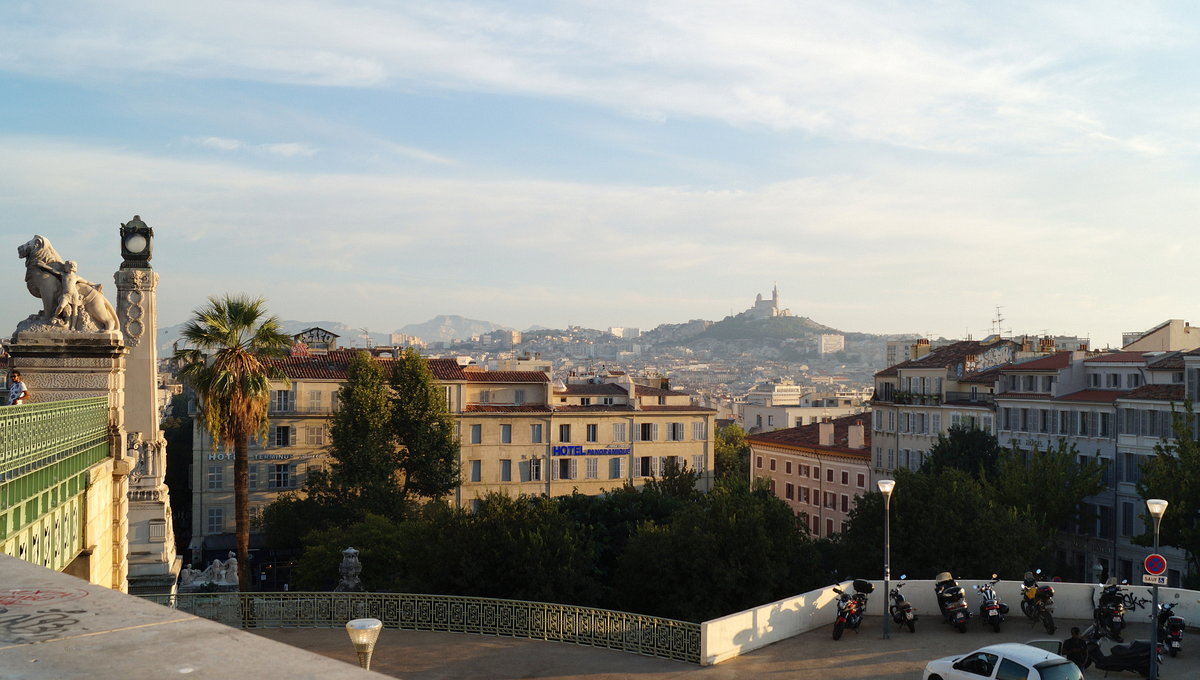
153 565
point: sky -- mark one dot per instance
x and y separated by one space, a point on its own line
894 167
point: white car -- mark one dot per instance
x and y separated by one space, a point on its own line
1008 661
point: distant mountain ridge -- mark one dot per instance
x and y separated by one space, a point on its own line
446 327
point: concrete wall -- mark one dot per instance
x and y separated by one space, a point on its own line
729 636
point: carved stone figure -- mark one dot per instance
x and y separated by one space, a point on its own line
231 567
350 569
213 572
187 575
45 273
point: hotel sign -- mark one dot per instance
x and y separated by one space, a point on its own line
580 451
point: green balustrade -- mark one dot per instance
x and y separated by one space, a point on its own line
46 450
647 635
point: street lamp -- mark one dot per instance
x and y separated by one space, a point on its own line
363 634
885 487
1157 507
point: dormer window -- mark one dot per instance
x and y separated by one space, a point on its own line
662 400
585 401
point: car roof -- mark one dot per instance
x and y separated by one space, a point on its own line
1017 651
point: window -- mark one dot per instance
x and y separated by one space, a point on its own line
314 401
1083 422
619 432
485 396
518 397
585 401
1133 380
216 521
281 401
476 471
216 477
862 480
564 433
253 476
1127 519
845 503
758 462
614 468
646 466
699 431
772 464
979 663
314 435
770 421
607 401
505 470
565 468
1114 380
1065 424
593 468
1105 424
829 474
789 492
845 478
280 476
804 470
675 432
1094 380
505 433
592 432
476 434
1011 670
282 436
935 423
829 527
535 433
698 462
535 469
649 432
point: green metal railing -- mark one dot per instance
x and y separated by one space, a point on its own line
46 450
647 635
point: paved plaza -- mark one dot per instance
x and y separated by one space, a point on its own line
813 656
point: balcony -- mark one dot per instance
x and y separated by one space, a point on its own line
916 399
981 398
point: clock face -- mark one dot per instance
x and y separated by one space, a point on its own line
135 243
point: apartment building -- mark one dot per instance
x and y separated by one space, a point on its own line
818 470
519 433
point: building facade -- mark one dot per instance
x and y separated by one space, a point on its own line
818 470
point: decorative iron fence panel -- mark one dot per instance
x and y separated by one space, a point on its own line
646 635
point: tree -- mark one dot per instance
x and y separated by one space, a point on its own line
1049 486
1173 474
427 454
969 449
230 338
732 457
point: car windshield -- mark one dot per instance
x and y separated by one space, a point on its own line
1058 669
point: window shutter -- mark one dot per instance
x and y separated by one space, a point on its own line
292 435
654 432
554 470
574 469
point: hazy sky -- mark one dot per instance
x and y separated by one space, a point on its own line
894 166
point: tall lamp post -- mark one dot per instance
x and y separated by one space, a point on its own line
1157 508
885 487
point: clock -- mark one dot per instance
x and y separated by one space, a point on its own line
136 238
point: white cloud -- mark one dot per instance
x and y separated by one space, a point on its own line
287 149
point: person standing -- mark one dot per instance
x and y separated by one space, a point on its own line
17 391
1075 648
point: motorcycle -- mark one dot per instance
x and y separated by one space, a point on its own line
1109 614
1037 602
850 608
952 600
1170 628
903 613
1133 657
990 607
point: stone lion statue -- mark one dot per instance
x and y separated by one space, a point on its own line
45 272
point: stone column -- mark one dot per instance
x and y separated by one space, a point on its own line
59 364
153 564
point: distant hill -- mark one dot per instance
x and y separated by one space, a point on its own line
446 327
348 336
776 328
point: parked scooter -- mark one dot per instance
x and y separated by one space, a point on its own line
1109 614
850 608
1133 657
1170 628
903 613
991 608
952 600
1037 602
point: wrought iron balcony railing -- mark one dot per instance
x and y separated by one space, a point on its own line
647 635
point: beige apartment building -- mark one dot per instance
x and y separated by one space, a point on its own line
519 432
818 470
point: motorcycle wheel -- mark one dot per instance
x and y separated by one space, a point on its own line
1048 622
912 628
961 626
1029 610
1174 651
837 630
995 624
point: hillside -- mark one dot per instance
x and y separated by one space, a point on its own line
774 328
446 327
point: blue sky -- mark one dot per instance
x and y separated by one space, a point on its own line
895 167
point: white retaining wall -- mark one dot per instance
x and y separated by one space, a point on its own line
729 636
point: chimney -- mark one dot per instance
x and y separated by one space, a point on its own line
1046 345
921 348
825 434
856 435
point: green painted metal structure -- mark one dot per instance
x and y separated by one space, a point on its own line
647 635
46 450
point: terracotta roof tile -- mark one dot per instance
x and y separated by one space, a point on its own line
512 408
677 407
644 391
1098 396
334 366
1052 362
507 376
592 389
592 408
1118 357
1166 362
1157 393
808 436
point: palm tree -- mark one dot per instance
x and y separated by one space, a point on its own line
229 339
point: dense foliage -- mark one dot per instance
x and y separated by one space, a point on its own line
1173 474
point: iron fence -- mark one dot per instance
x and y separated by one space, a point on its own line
623 631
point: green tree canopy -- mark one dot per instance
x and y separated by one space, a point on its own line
427 454
732 457
1048 486
229 339
1173 474
969 449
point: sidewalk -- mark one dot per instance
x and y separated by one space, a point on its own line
813 656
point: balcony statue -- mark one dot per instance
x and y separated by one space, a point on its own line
69 302
350 570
